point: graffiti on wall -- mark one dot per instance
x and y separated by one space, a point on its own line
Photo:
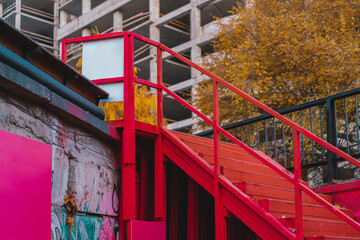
100 196
89 228
55 225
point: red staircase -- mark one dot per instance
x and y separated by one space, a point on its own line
271 201
268 190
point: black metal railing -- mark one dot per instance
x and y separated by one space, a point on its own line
334 119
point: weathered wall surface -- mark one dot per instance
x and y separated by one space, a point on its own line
80 161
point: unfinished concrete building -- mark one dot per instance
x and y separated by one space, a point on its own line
186 26
35 18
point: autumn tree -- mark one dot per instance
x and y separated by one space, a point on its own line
145 100
283 53
145 105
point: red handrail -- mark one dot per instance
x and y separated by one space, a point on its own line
295 178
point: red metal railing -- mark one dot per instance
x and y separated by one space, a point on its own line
129 136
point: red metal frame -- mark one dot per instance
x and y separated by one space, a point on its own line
160 171
193 211
297 176
219 182
108 80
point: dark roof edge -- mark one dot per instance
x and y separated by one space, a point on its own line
20 85
9 31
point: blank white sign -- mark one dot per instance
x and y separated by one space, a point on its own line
115 90
103 58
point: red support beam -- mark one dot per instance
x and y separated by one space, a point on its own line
219 211
128 192
297 176
174 205
64 51
119 156
160 170
193 211
144 186
225 222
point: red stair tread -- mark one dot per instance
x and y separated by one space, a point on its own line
238 153
272 191
322 227
192 138
282 208
240 164
331 238
239 175
318 227
261 191
205 145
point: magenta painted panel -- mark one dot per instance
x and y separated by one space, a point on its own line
347 195
143 230
25 188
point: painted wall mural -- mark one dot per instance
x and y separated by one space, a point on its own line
97 219
55 225
86 227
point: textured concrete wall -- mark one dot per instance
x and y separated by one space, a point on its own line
80 161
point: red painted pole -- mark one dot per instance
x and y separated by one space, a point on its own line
219 212
119 155
174 205
160 171
128 143
143 186
298 193
193 211
63 51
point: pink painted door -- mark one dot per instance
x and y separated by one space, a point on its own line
144 230
25 188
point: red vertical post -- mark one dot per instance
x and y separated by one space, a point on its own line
63 51
128 141
219 212
159 90
143 186
193 211
119 155
160 170
297 178
174 205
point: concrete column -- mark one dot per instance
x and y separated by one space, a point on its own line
195 57
56 27
62 18
154 8
18 14
86 6
59 47
195 32
1 10
118 21
85 32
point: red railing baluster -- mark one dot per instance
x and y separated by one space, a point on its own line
297 190
129 134
160 195
219 212
64 51
128 160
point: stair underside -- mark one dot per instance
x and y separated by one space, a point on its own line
269 190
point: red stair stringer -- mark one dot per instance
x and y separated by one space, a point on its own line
241 205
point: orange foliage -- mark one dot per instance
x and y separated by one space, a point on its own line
283 53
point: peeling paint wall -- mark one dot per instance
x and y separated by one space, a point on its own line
80 161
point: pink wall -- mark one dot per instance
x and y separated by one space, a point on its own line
25 188
347 195
141 230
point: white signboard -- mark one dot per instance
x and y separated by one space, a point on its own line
103 59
